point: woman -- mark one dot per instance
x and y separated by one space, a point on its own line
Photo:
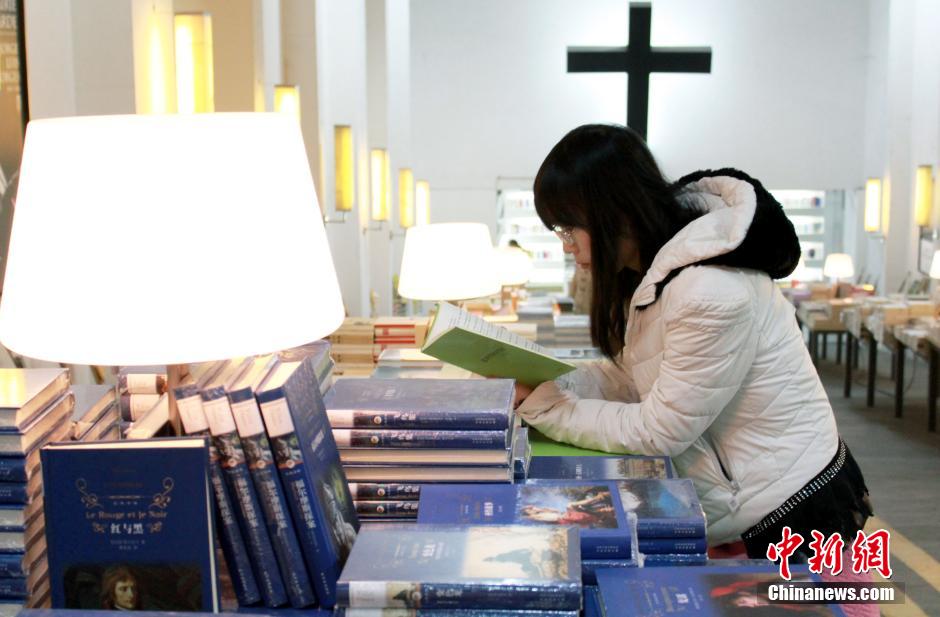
704 360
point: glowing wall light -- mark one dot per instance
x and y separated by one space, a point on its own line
406 198
194 74
923 195
157 71
344 167
873 204
379 170
287 100
422 202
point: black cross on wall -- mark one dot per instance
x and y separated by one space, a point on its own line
638 60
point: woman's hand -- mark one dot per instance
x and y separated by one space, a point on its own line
522 391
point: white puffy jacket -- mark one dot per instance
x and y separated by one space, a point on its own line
714 374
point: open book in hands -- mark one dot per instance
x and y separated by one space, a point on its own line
467 341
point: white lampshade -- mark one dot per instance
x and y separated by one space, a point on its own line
838 266
513 265
935 265
165 239
448 261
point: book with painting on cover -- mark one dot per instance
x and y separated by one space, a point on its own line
450 567
312 476
453 404
600 467
592 507
470 342
129 525
664 508
706 591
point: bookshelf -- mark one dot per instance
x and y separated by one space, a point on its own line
817 218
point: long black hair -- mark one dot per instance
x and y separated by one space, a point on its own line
604 180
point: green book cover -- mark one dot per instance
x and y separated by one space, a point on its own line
467 341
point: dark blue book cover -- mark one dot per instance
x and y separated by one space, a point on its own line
130 525
468 404
387 509
592 602
708 591
447 612
13 588
13 469
13 493
310 469
260 461
482 567
600 467
592 507
222 426
677 559
589 567
664 508
669 546
408 438
193 418
383 491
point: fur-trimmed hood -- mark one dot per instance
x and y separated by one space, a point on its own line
743 226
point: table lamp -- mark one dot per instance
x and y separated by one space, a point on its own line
448 261
838 266
515 269
166 239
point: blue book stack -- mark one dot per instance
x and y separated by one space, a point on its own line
670 520
414 431
36 407
709 591
600 468
451 570
592 507
130 525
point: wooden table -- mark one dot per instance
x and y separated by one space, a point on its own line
933 353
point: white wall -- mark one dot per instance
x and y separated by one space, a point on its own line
491 94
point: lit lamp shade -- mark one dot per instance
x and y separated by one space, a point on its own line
448 261
935 265
873 204
166 239
513 265
838 266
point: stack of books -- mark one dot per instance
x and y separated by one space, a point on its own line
353 347
393 434
670 521
35 409
543 316
572 330
399 333
96 416
445 571
140 389
407 363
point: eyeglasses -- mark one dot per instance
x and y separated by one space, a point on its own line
564 233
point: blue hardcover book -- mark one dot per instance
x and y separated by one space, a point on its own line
387 509
708 591
454 404
664 508
130 524
384 491
600 468
15 469
391 438
13 493
13 588
447 612
592 602
260 461
193 418
593 507
16 565
444 567
671 546
224 433
687 559
589 567
310 469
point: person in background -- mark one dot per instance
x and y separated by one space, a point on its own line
704 360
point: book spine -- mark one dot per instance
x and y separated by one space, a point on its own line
193 417
13 469
387 509
386 438
274 505
669 546
489 420
605 546
13 493
367 491
300 498
235 472
589 568
656 561
668 528
142 383
376 594
134 406
12 566
13 588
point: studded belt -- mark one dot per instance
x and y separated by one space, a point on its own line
821 480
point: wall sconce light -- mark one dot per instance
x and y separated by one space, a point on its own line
194 74
344 173
873 204
923 195
379 170
287 100
422 202
406 198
